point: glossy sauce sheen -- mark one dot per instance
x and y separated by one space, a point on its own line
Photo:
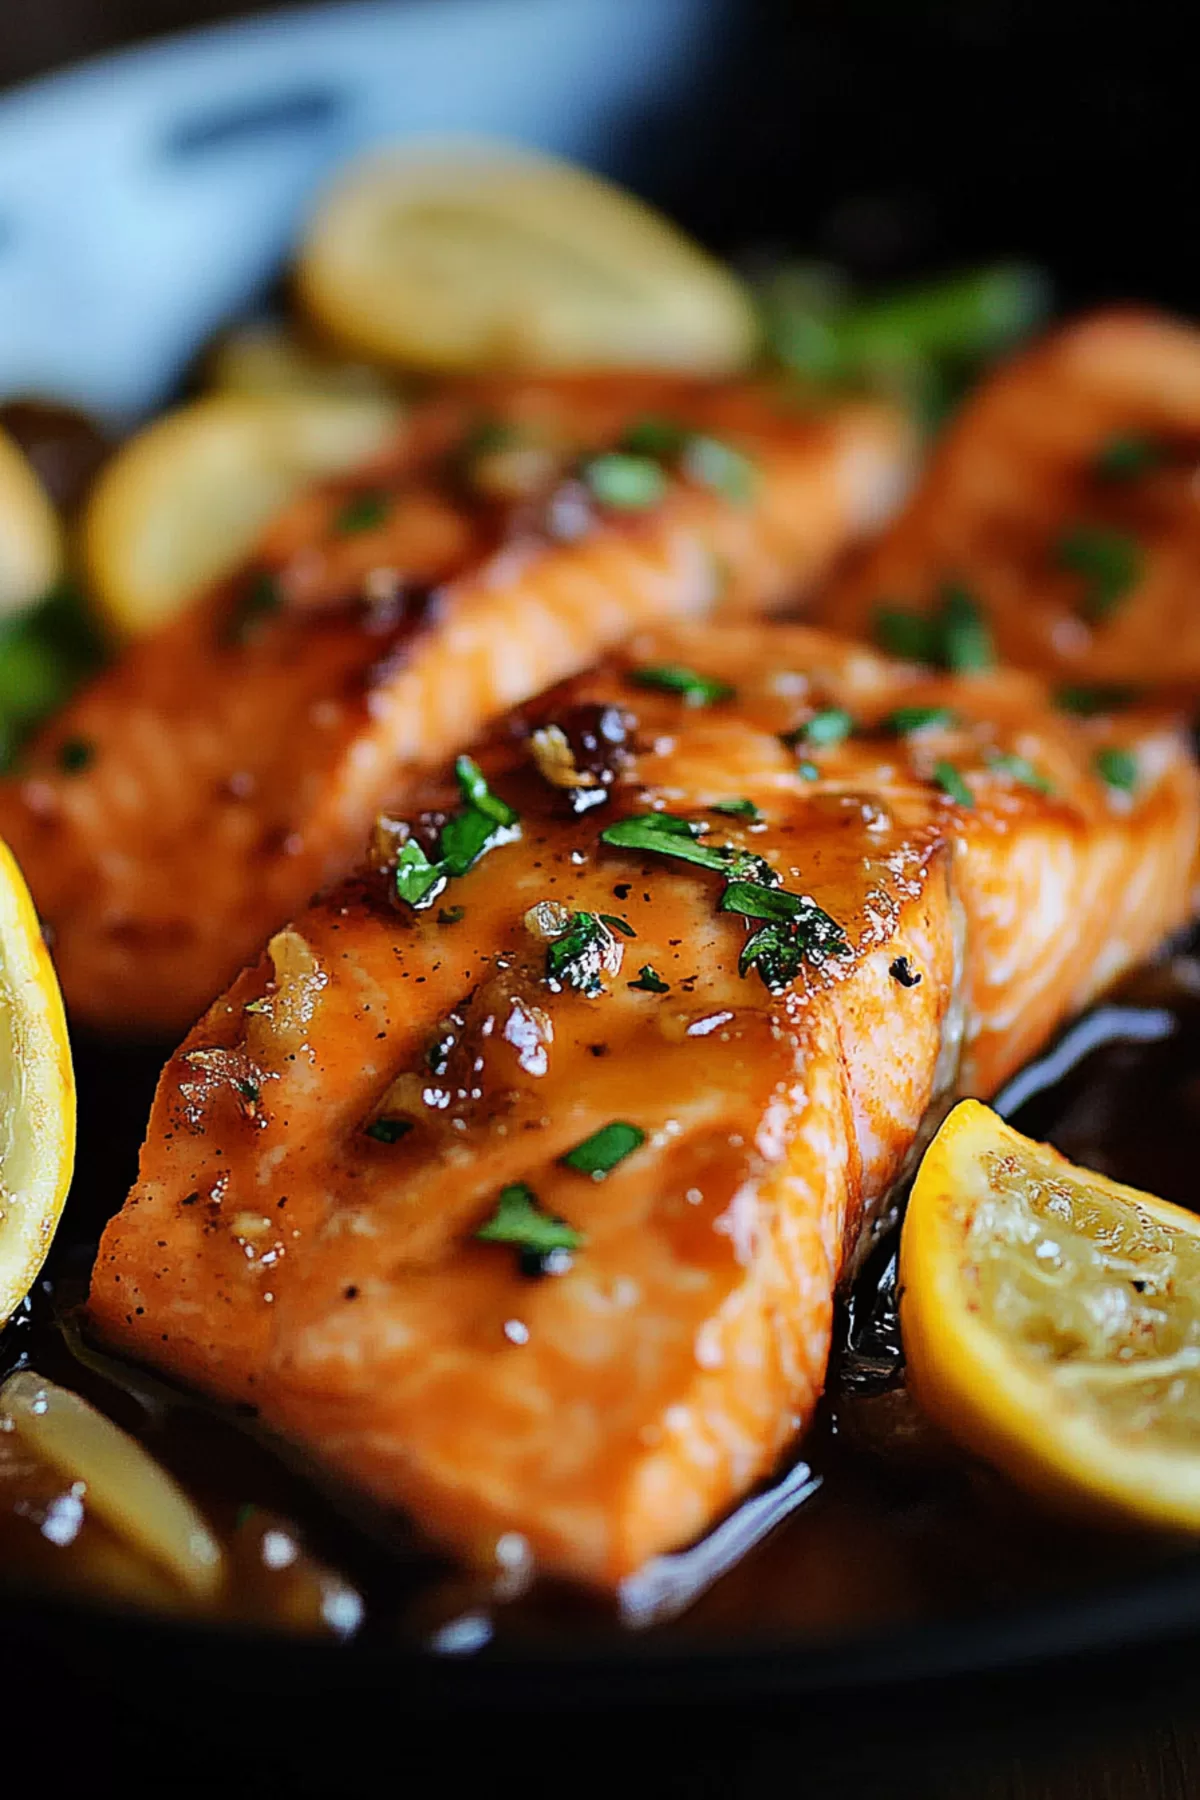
1094 431
234 761
274 1254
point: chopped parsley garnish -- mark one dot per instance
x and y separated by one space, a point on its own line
519 1220
580 956
1087 702
1110 563
1126 456
824 729
650 981
954 636
1117 767
675 678
625 482
901 970
906 720
249 1090
737 809
362 512
76 754
260 597
951 782
485 820
615 924
389 1131
795 929
808 771
653 435
717 465
599 1154
451 915
1020 769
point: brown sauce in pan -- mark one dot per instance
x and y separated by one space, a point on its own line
878 1525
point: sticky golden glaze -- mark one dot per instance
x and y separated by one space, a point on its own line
231 779
1018 470
273 1253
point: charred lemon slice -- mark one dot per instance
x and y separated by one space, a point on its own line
37 1093
31 538
185 500
1051 1321
475 256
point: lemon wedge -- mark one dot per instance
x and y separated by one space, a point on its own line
267 357
37 1093
468 255
184 501
1051 1322
31 536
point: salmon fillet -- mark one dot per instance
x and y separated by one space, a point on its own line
1064 501
195 795
346 1210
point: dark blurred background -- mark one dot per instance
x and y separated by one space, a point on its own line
889 134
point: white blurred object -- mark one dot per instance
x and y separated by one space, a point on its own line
146 197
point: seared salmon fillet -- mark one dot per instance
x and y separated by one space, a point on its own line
1064 501
194 796
519 1195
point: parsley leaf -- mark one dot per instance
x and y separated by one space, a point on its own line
1021 770
478 795
654 435
76 754
808 771
950 780
362 512
665 834
599 1154
1117 767
484 821
259 598
737 809
825 728
1126 456
650 981
418 881
676 678
909 719
1110 563
1086 702
717 465
580 956
625 482
954 636
520 1221
389 1131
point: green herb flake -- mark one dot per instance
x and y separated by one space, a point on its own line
389 1131
624 482
76 754
1109 563
418 881
248 1090
260 598
808 771
954 636
717 465
615 924
599 1154
675 678
1117 768
737 809
477 794
655 436
795 930
823 730
1126 456
649 981
582 954
451 915
1018 769
950 780
906 721
519 1220
1088 702
362 512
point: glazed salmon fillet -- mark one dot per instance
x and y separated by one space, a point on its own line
1064 502
519 1196
194 796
